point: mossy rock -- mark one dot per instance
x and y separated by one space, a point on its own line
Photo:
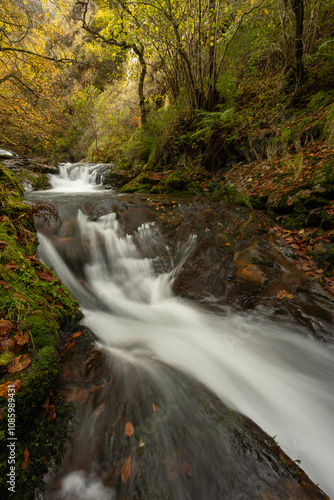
118 179
140 184
324 176
320 218
259 202
234 197
10 182
175 182
43 330
323 255
42 438
278 202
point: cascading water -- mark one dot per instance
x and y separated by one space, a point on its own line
79 177
279 378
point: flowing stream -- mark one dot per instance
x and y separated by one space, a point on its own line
279 378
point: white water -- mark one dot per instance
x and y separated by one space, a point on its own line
78 177
279 378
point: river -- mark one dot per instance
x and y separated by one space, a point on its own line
155 341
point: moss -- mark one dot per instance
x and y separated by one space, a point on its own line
40 181
43 329
298 218
234 197
324 175
10 182
175 182
5 358
140 184
258 202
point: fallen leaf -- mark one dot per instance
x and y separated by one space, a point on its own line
153 406
16 384
66 348
7 345
22 338
26 457
3 244
19 296
129 429
33 258
19 363
47 276
12 267
4 284
76 335
126 470
5 327
100 409
282 294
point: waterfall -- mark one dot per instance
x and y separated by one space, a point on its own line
154 340
278 377
79 177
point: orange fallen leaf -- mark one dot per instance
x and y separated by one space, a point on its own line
22 338
126 470
26 457
16 384
19 363
129 429
5 327
4 284
76 335
153 406
3 244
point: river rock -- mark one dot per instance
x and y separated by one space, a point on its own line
6 154
237 261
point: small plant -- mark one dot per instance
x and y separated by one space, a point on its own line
45 210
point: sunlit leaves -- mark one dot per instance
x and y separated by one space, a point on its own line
30 83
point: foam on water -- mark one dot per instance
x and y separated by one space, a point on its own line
279 378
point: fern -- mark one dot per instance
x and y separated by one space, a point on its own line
210 121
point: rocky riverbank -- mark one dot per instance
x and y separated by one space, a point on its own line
38 317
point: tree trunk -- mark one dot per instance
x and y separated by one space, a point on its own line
210 97
139 51
298 10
